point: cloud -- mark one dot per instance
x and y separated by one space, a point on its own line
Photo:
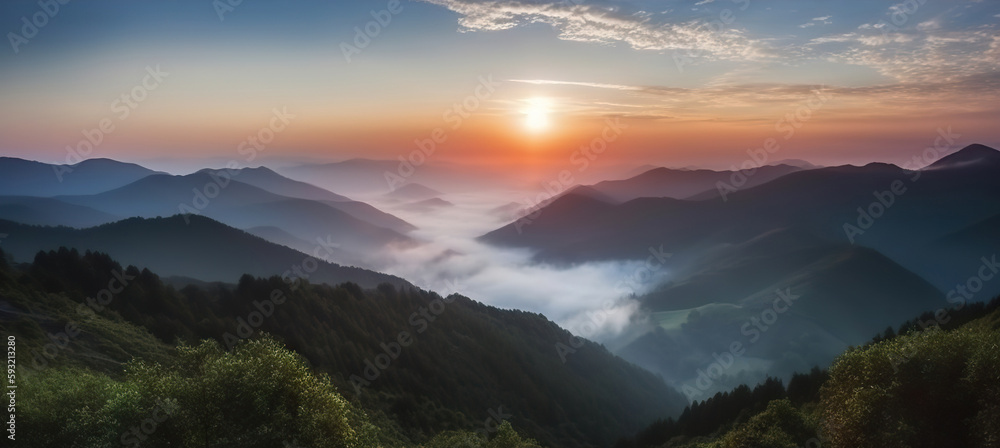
603 25
451 260
924 55
576 83
929 25
918 62
927 53
834 38
825 20
704 2
716 102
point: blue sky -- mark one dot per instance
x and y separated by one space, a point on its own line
685 79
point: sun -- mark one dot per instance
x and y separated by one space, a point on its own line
536 114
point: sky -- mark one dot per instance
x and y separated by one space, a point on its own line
513 85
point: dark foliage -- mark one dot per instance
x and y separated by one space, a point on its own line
465 358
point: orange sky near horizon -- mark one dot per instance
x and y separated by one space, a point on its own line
885 95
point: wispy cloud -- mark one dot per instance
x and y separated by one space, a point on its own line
602 25
975 92
928 65
928 52
576 83
929 25
825 20
927 55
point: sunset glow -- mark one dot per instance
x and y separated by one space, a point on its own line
690 92
536 115
500 223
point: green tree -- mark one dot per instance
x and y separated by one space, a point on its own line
258 395
925 389
781 425
505 437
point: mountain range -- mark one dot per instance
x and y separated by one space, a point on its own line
194 247
861 246
792 264
248 198
684 184
19 177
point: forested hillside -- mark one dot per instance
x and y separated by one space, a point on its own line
933 382
419 362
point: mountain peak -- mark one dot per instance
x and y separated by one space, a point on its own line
974 154
414 191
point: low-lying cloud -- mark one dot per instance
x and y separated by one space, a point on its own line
594 300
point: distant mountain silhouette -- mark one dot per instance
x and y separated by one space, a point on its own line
509 211
413 192
842 296
639 170
362 178
51 212
349 177
204 249
979 156
426 205
278 236
682 184
266 179
369 213
985 233
582 191
799 163
19 177
243 206
821 201
587 191
966 251
729 258
939 216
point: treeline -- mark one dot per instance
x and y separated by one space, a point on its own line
457 364
934 382
725 410
258 395
945 318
